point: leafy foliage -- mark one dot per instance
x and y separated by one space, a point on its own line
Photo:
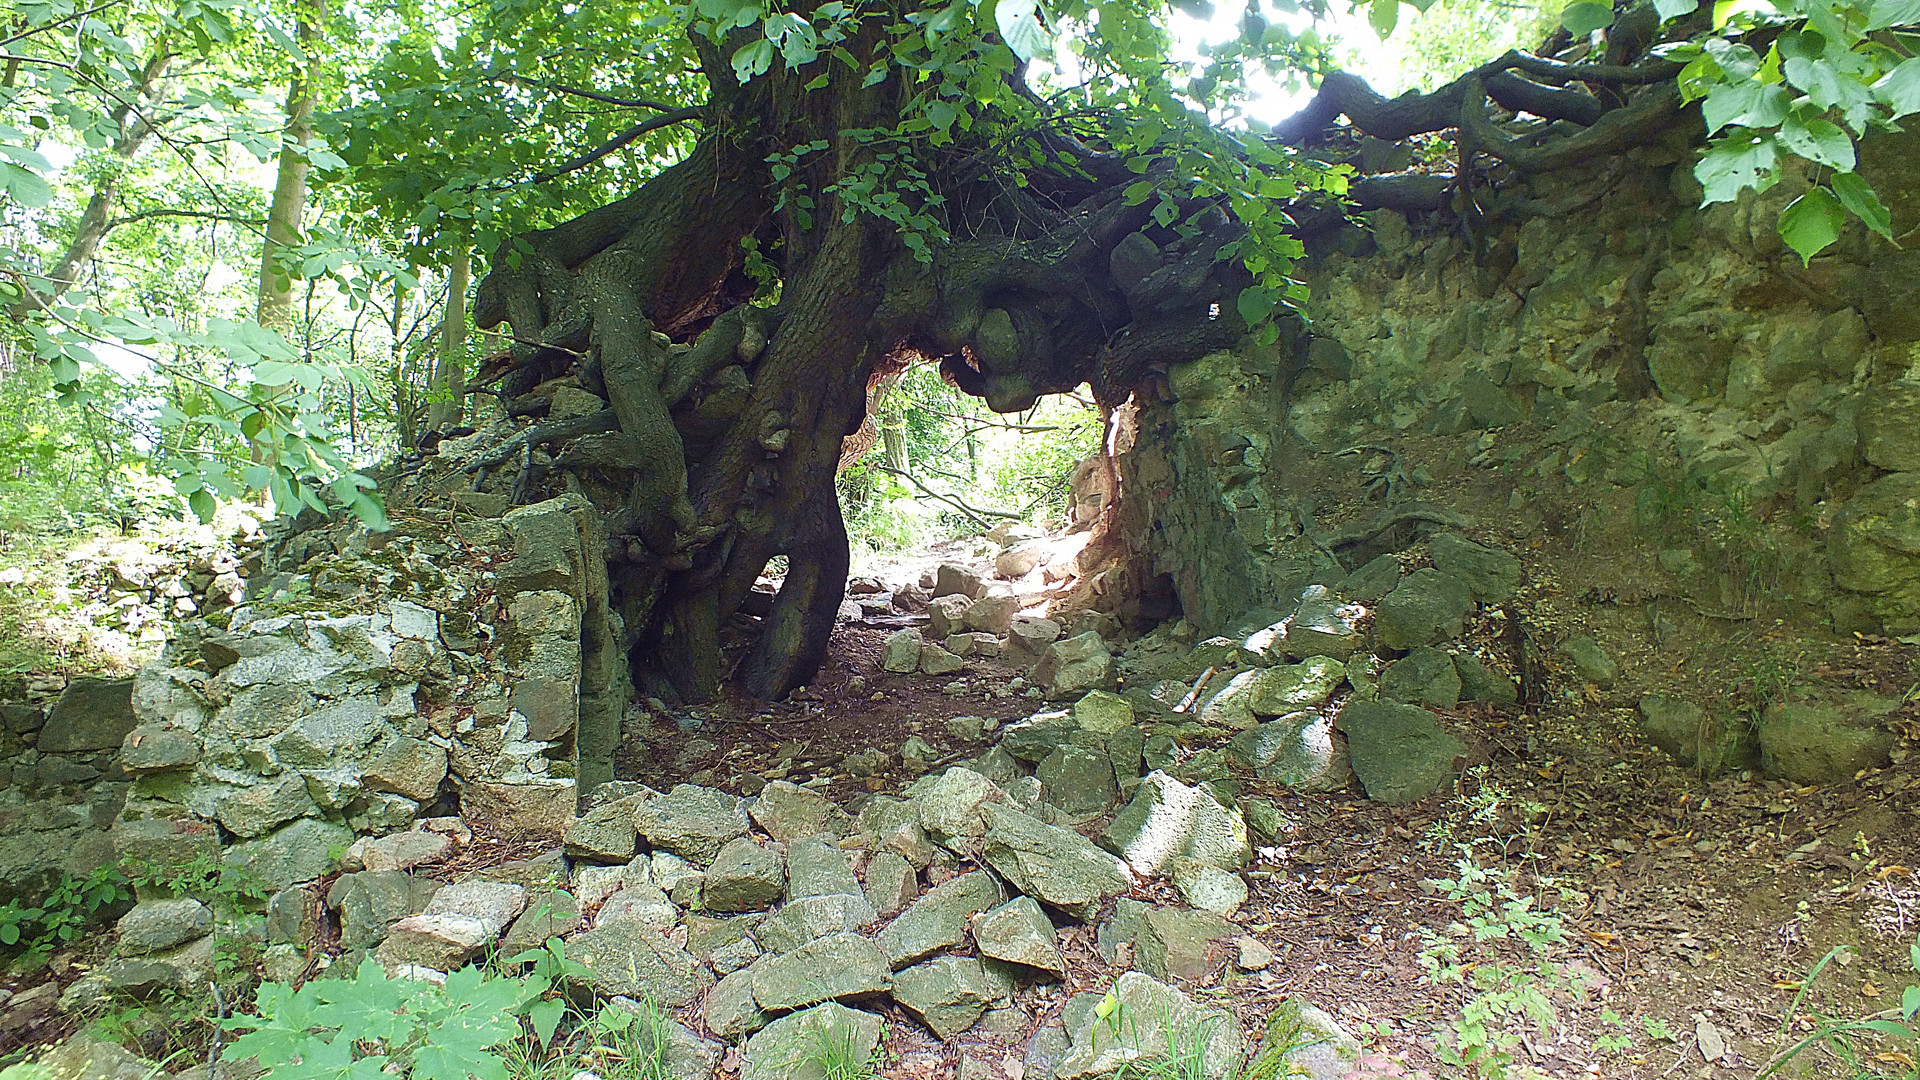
71 908
1830 73
372 1025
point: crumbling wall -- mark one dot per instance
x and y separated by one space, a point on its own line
1627 341
377 679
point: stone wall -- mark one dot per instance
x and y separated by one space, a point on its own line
379 679
1783 400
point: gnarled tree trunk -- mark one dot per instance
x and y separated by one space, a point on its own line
726 416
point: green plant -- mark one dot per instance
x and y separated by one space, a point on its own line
1842 1036
68 910
1506 997
370 1027
204 877
836 1051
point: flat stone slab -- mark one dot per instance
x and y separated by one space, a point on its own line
838 967
938 920
1059 867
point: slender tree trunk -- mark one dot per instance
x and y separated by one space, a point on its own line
136 131
289 207
451 376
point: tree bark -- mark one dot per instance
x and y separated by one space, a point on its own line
289 206
450 376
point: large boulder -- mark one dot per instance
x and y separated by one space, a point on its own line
1323 625
1425 676
948 994
1062 869
946 615
1399 752
305 850
818 868
744 877
810 918
953 579
1019 932
632 959
1277 691
1491 575
790 812
156 925
1301 751
1711 743
1078 781
1173 943
1825 741
992 615
1167 819
938 920
951 805
93 714
838 967
900 653
1070 668
1426 608
692 822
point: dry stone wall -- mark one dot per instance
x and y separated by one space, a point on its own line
1630 341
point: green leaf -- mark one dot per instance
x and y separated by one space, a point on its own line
1383 16
26 186
1860 200
1885 1027
545 1017
1811 222
1818 141
1255 304
1585 17
1673 9
1910 1001
1887 13
1744 104
1732 165
752 59
1900 88
1019 23
202 504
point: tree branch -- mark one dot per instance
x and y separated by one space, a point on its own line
654 123
591 95
977 515
206 215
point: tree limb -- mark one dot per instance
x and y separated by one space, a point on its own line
591 95
975 514
652 123
538 434
205 215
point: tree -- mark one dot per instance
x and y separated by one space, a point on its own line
904 187
894 178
